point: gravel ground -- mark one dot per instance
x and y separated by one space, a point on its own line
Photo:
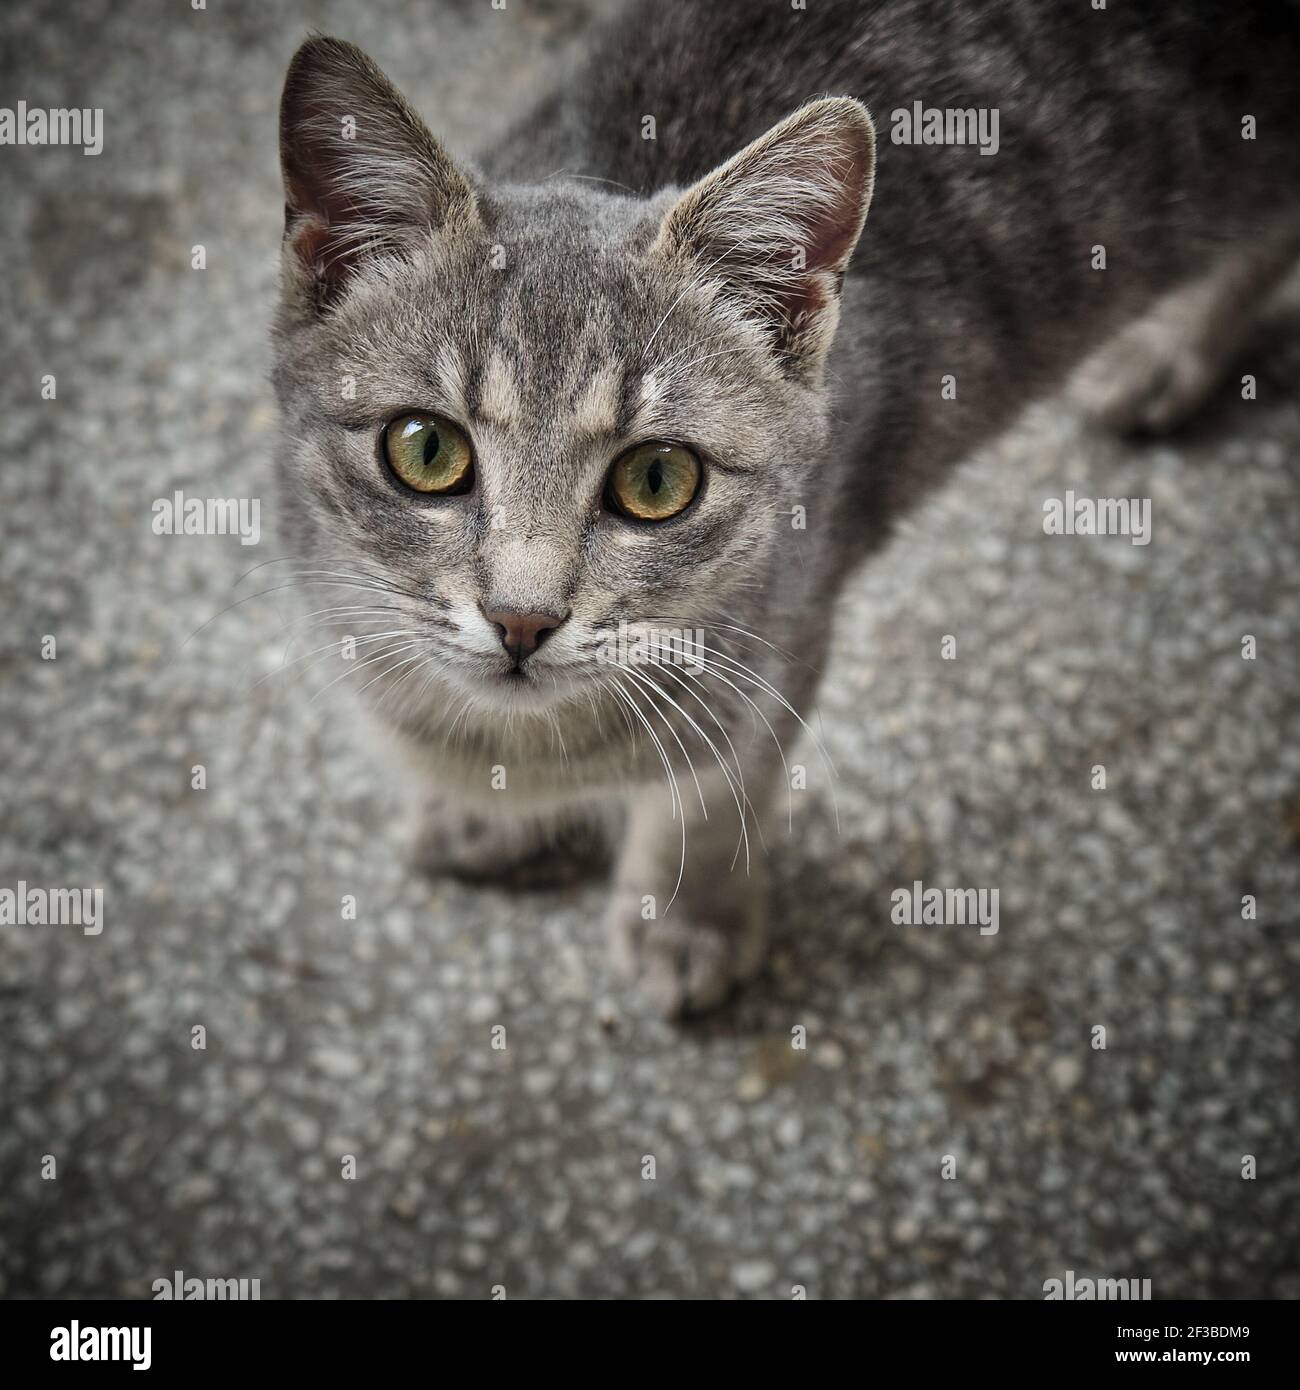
774 1166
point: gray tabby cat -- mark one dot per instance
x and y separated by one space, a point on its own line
533 421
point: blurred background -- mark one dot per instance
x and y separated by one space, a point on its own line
775 1166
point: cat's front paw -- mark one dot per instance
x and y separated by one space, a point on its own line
690 961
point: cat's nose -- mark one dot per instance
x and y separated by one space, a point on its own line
522 633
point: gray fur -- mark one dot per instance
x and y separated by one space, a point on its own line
562 319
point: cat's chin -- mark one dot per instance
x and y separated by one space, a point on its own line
517 693
521 694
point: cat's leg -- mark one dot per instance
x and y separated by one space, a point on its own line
687 946
1161 369
487 845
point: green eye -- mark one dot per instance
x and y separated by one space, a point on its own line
429 453
653 481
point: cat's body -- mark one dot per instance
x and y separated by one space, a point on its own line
560 320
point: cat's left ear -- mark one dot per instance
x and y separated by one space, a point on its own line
774 227
362 173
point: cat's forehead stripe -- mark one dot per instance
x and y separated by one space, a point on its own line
645 400
596 409
498 400
449 369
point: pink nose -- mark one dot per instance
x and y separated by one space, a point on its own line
522 633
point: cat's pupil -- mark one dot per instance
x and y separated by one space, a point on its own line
431 446
655 476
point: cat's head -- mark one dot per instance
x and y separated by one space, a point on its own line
537 412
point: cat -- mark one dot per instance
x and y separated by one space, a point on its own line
675 359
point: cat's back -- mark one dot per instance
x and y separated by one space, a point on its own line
674 87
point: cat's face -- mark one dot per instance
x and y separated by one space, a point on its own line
548 418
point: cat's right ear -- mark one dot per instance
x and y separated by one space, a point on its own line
773 228
362 174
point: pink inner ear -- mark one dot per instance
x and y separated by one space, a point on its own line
309 242
831 237
328 259
805 302
833 230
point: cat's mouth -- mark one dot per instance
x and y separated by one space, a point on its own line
530 682
521 687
